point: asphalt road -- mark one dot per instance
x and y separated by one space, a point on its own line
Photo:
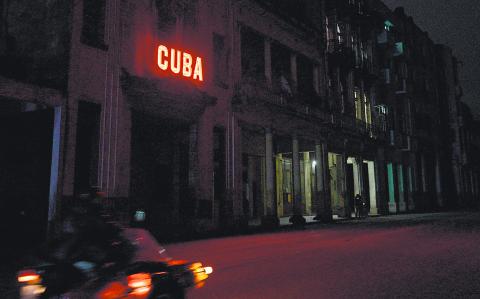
404 256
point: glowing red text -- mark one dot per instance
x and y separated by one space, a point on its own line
177 61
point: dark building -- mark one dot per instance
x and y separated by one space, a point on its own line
217 114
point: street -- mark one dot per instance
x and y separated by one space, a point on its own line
398 256
403 256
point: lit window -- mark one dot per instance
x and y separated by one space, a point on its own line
388 25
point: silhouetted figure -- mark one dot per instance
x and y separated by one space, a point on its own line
358 202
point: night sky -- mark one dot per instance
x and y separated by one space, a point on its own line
455 23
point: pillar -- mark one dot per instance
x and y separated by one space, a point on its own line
307 182
293 71
402 207
269 217
346 197
316 79
412 177
392 205
424 173
372 185
357 189
268 61
193 167
54 169
380 180
322 195
438 181
297 217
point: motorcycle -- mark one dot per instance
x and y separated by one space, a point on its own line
148 273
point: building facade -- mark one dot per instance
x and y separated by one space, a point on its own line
219 114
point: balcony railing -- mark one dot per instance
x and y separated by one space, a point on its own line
250 91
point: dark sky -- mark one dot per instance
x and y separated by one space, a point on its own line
455 23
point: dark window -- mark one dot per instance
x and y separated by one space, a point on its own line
281 72
166 15
253 58
305 78
93 29
220 60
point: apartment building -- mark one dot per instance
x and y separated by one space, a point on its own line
219 114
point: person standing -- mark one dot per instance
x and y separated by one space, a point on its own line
358 205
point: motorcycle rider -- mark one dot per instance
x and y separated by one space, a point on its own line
88 240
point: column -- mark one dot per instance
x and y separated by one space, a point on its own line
193 169
392 205
323 205
346 196
361 177
249 191
54 169
297 217
356 176
270 217
372 185
307 185
268 61
192 156
402 207
424 174
380 180
412 177
319 182
316 80
438 181
293 71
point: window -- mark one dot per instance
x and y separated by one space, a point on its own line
305 78
398 50
388 25
93 29
358 103
166 16
252 54
367 110
281 72
220 60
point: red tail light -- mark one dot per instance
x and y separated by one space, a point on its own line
140 283
28 276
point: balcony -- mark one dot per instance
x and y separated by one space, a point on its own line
341 56
458 91
255 91
345 9
403 142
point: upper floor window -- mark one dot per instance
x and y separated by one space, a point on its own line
398 49
220 59
305 70
388 25
93 29
281 68
252 54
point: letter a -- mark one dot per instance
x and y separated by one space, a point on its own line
198 73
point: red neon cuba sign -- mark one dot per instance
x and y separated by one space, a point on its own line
177 61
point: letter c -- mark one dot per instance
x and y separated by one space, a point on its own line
162 53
